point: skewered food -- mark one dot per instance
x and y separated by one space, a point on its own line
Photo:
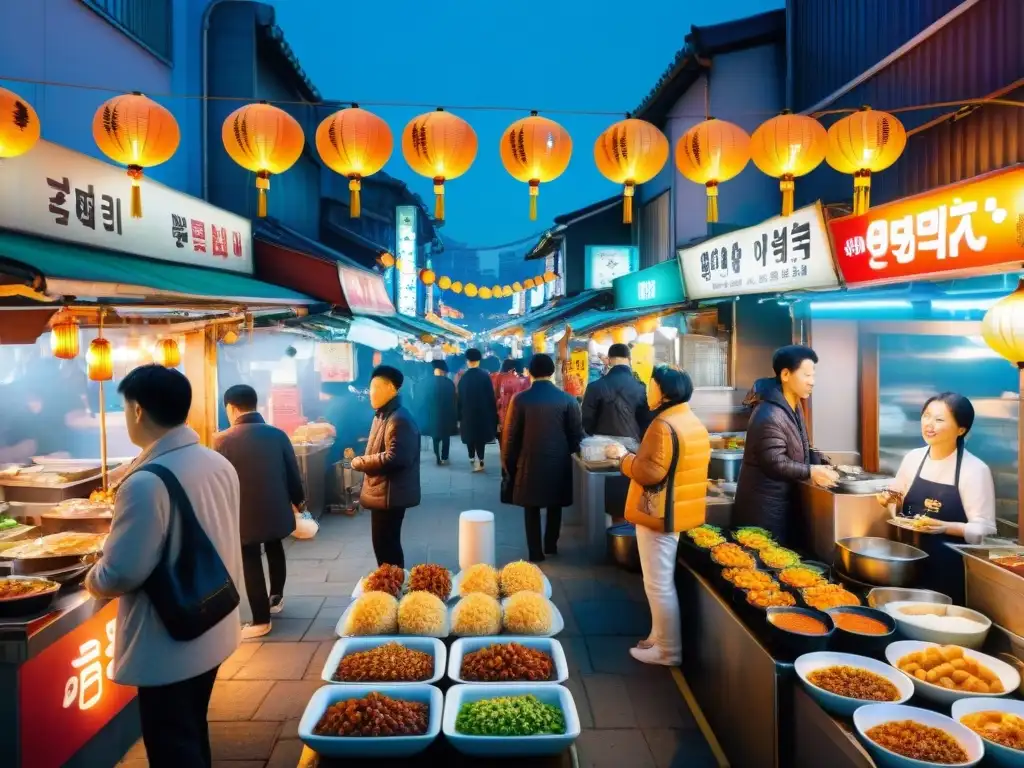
732 556
15 589
510 716
431 578
749 578
479 578
854 683
754 538
706 536
863 625
778 557
505 663
800 623
1003 728
521 576
951 668
387 578
527 613
918 742
800 576
825 596
373 613
476 614
374 715
421 613
388 663
770 598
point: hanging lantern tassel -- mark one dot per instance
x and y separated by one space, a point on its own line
263 185
439 198
354 208
627 202
861 192
135 174
787 184
712 190
534 194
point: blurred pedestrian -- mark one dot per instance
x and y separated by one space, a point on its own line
478 409
439 407
616 404
508 384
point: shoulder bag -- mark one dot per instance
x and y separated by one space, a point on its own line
658 500
192 592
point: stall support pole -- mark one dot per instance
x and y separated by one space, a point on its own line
103 437
1020 453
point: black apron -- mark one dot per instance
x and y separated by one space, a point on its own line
944 568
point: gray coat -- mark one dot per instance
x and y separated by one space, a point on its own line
268 471
144 654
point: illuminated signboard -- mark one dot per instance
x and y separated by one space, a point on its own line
655 286
971 227
604 263
785 253
407 274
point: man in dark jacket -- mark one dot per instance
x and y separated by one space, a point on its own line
478 409
778 455
616 404
439 410
541 433
391 466
271 489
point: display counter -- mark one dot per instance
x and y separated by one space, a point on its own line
441 753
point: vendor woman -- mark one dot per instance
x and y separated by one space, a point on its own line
949 486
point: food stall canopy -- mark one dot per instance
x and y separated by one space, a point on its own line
449 328
75 270
556 313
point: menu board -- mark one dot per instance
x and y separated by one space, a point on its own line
786 253
335 361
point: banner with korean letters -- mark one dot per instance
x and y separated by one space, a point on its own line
786 253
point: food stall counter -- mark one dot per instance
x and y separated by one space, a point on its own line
442 753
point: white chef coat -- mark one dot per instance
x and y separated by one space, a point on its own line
977 490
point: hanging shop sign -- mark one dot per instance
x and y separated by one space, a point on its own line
365 292
577 373
652 287
604 263
59 194
643 361
785 253
972 227
335 361
405 226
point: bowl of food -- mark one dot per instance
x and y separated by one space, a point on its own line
522 576
898 736
391 660
763 599
423 614
517 720
778 558
26 595
942 624
340 719
749 578
730 555
825 596
1000 724
878 561
475 615
802 576
480 577
860 629
946 673
705 536
527 613
753 538
372 613
798 630
842 682
881 596
507 660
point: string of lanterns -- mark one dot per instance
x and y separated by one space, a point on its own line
135 131
427 276
65 345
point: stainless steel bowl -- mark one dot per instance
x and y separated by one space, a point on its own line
879 596
622 547
879 561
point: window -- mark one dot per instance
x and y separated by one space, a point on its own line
147 22
655 246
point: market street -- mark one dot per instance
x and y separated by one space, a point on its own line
632 714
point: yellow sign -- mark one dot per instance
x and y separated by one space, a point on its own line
577 373
643 361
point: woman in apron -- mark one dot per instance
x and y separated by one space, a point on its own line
950 487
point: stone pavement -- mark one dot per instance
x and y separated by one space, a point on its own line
632 714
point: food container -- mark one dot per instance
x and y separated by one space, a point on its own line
346 646
880 596
725 464
844 706
622 548
798 643
912 631
861 642
27 605
1009 676
867 717
370 746
879 561
457 583
510 746
557 622
547 645
996 754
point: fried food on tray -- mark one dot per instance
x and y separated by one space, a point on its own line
732 556
854 683
421 613
1003 728
825 596
388 663
506 663
387 578
800 576
479 578
476 615
770 598
431 578
527 613
521 576
754 538
14 589
65 544
778 557
749 578
706 536
373 613
918 742
374 715
951 668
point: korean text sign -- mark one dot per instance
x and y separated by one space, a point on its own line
59 194
66 694
365 292
974 226
577 372
785 253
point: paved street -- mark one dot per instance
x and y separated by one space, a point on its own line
633 715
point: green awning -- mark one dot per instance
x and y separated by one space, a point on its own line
133 278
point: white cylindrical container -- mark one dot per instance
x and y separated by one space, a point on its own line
476 538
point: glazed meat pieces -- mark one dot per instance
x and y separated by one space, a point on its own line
374 715
505 662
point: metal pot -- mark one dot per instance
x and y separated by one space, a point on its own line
622 547
879 561
725 465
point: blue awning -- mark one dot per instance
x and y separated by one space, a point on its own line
560 310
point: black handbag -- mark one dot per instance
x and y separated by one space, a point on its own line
192 592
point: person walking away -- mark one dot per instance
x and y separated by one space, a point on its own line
508 384
439 409
391 466
668 483
478 409
174 678
777 455
542 431
272 490
616 404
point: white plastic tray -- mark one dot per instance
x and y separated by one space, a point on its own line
339 629
346 646
557 622
357 590
510 746
457 583
547 645
370 746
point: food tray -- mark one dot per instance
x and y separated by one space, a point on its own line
870 715
49 546
510 746
1008 675
445 630
358 590
349 645
26 605
457 582
557 622
997 754
547 645
844 706
370 746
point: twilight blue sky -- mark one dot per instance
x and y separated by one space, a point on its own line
589 55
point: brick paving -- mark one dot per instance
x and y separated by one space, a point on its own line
632 715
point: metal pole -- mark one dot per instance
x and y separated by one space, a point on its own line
103 437
1020 452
